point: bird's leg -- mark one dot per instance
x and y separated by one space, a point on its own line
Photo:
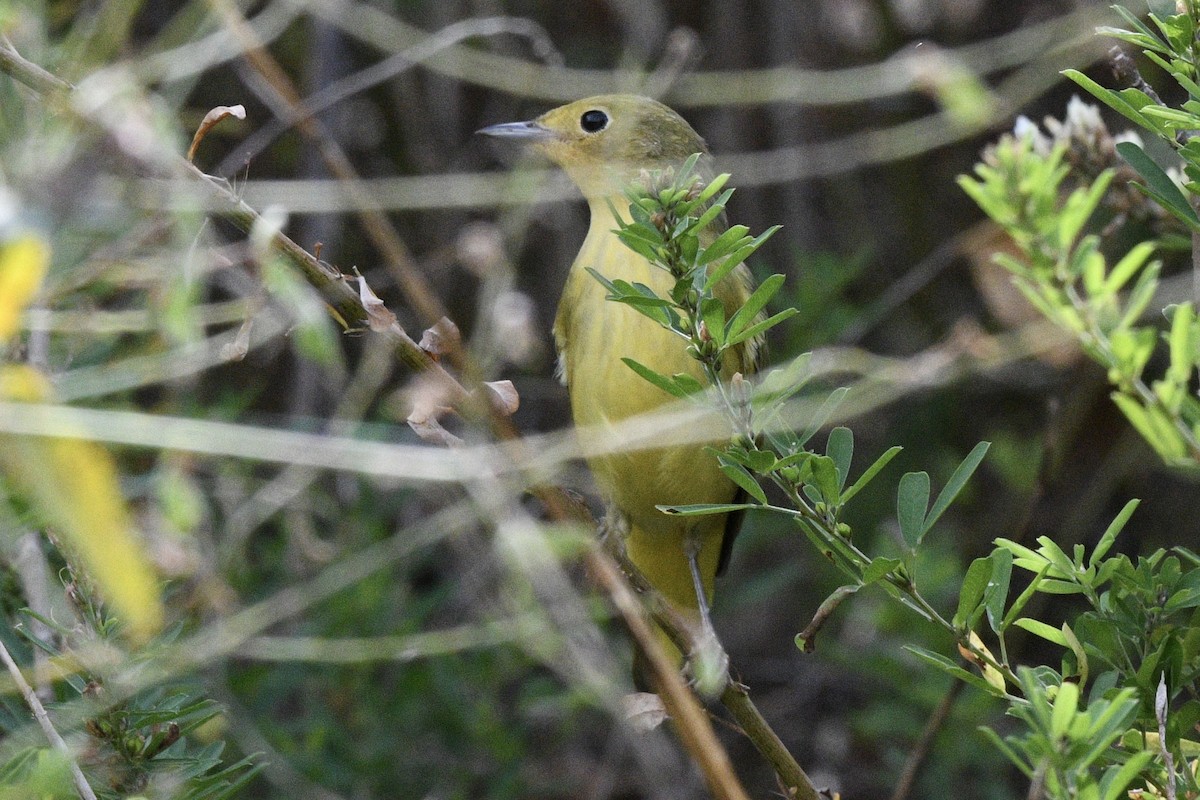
691 548
614 527
708 663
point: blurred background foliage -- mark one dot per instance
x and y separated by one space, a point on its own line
846 121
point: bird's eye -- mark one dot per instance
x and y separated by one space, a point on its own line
593 121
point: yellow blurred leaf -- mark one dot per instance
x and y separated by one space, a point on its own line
74 486
990 674
23 263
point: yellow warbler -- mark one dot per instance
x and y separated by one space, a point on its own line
604 144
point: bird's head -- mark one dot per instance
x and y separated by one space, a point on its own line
604 142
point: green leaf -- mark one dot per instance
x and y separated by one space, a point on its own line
1167 203
712 312
1159 185
825 479
785 379
702 509
710 214
743 252
840 448
1113 100
955 485
1141 294
1165 441
912 499
1139 27
995 207
954 670
970 595
765 325
642 301
1042 298
687 383
739 475
1127 266
1173 118
1058 586
713 187
605 282
871 472
1056 556
1111 533
1081 660
1025 558
822 415
755 303
1047 632
1115 782
726 243
642 247
1066 704
1005 748
879 568
1182 343
1131 349
997 589
1079 207
661 381
1025 596
683 177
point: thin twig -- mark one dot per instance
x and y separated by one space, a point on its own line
344 300
388 69
1037 785
734 696
396 255
1161 706
806 638
691 722
920 751
373 25
39 713
30 74
33 570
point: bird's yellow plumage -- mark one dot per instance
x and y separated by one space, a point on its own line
604 143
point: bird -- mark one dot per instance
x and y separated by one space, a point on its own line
604 144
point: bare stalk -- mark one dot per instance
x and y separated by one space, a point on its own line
43 719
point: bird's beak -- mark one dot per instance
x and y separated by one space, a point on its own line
530 131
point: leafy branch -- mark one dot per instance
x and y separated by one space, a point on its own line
1123 702
1069 748
670 223
1065 275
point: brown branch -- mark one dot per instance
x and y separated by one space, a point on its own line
396 255
734 696
807 637
691 722
920 751
796 782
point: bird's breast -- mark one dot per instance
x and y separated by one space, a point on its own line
594 334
